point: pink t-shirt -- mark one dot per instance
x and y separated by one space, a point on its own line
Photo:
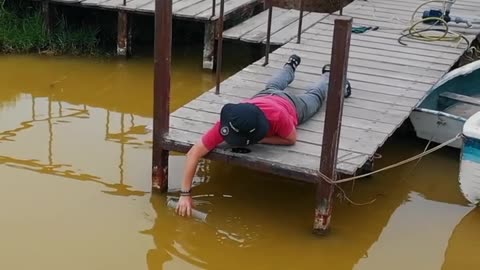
280 113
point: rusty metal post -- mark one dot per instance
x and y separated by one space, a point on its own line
333 122
161 101
269 30
220 46
122 33
300 21
213 8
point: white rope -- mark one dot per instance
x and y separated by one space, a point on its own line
330 181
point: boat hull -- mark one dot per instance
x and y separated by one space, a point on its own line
437 126
469 176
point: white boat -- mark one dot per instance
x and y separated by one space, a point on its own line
470 160
453 107
451 101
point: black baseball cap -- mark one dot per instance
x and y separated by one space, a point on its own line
243 124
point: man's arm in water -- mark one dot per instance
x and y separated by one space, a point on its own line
194 155
197 152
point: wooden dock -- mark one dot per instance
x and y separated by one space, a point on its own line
388 80
284 26
194 10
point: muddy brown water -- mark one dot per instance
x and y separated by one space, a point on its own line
75 159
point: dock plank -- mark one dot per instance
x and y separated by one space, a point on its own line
312 78
309 142
230 6
303 168
135 4
291 31
245 27
258 34
316 125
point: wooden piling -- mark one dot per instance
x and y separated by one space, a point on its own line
220 46
47 16
161 110
333 122
122 34
208 45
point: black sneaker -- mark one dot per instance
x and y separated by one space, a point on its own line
348 87
294 61
326 68
348 90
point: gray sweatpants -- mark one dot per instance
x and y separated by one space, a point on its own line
307 104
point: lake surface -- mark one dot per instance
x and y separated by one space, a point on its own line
75 161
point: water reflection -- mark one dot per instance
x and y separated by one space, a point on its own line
55 125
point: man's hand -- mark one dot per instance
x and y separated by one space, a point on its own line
184 206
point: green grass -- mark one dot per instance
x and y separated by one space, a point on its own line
22 31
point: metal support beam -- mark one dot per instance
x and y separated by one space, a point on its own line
333 122
300 21
162 76
269 31
213 7
220 46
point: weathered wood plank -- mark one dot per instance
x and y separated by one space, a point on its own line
267 158
389 33
374 49
374 57
258 34
309 77
354 112
409 7
93 2
376 82
347 120
291 31
300 84
322 59
245 27
315 67
387 45
307 142
185 4
114 4
198 121
135 4
316 123
230 6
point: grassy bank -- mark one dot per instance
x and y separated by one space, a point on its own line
22 31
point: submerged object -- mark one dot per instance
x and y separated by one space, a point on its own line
470 160
195 213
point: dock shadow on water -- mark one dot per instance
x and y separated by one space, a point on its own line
75 156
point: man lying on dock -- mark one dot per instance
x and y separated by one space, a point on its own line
269 117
